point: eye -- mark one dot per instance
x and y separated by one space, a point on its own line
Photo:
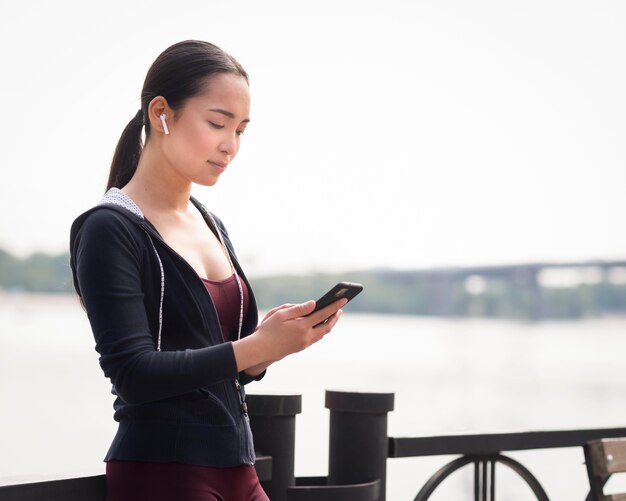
240 133
216 126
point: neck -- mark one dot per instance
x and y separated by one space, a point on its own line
155 184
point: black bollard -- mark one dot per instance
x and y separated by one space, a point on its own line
358 442
273 423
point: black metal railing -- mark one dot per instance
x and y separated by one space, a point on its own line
359 449
485 451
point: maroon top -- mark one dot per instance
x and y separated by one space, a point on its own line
225 296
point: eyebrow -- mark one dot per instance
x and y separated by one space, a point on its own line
227 113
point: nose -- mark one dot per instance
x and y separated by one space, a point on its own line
229 145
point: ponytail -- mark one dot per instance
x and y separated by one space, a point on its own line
127 152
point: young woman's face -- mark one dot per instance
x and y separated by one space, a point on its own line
205 136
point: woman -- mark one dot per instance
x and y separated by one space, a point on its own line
172 313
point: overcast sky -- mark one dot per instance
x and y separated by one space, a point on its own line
403 134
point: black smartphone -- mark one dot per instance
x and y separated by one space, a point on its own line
342 290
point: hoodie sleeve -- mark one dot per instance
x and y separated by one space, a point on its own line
106 260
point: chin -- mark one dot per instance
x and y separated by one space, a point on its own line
207 182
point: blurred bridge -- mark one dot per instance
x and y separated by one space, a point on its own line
524 284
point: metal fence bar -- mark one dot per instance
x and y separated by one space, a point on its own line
477 481
73 489
493 481
493 443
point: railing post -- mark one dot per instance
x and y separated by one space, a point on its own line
358 442
273 423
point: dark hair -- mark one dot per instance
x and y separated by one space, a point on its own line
179 73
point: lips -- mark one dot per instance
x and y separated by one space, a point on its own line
221 166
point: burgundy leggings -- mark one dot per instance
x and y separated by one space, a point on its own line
137 481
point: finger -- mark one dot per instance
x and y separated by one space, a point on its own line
281 307
328 325
298 310
277 308
324 313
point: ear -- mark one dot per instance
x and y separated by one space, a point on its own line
157 107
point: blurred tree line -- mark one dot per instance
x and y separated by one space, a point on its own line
446 294
429 292
37 273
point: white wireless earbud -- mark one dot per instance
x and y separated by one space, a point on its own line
165 129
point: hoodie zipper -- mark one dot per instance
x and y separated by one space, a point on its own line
243 407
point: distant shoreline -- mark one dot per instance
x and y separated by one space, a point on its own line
528 292
22 299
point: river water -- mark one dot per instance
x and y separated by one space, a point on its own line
448 377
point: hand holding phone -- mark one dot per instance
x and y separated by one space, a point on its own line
342 290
